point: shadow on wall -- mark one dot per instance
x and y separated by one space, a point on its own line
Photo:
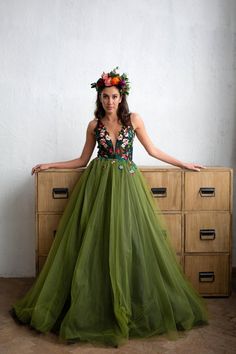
18 229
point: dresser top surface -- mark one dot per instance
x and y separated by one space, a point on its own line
150 169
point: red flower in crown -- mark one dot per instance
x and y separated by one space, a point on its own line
100 82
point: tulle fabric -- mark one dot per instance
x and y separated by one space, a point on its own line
111 273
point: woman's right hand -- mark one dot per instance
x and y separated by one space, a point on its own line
40 167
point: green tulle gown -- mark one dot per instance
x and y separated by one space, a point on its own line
111 273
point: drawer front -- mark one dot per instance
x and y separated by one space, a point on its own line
207 190
173 225
207 232
209 274
165 188
47 226
54 189
180 260
41 261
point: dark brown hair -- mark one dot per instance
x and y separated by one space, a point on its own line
122 112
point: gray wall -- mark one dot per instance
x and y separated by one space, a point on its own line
180 57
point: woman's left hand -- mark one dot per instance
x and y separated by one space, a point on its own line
192 166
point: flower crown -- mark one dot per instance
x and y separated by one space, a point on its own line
113 79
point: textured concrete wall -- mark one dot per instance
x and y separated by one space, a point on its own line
180 57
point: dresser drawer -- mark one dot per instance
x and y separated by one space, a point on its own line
207 232
54 189
209 274
173 225
47 226
40 263
207 190
165 188
179 260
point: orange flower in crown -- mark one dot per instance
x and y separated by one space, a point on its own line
113 79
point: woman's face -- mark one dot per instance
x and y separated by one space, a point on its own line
110 98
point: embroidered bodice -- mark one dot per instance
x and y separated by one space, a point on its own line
123 148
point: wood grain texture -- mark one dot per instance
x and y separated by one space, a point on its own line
49 180
47 229
207 232
219 181
216 283
171 180
173 225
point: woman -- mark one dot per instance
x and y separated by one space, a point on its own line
111 273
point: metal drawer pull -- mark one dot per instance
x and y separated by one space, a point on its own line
160 192
207 234
60 193
207 192
206 277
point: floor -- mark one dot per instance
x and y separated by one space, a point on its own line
219 337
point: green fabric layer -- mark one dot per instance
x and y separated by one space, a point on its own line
111 273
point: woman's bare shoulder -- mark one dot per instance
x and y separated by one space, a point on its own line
136 120
92 124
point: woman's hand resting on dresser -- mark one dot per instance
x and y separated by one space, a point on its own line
40 167
192 166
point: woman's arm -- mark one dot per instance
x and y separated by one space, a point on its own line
78 162
143 137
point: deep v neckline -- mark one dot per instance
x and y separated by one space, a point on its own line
108 134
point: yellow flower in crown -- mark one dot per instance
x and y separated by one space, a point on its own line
113 79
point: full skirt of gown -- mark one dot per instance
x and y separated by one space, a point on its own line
111 273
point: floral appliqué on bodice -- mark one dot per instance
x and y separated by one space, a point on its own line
123 149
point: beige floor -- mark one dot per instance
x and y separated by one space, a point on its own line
218 337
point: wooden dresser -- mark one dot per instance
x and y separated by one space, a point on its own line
197 208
